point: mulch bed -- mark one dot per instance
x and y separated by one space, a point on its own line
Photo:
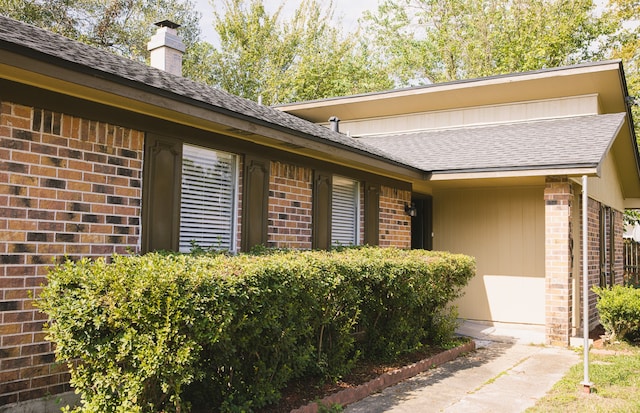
305 390
596 335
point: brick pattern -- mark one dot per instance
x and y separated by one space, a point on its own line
395 224
558 197
593 254
71 187
68 187
290 206
618 220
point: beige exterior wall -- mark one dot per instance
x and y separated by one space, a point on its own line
512 112
607 187
503 228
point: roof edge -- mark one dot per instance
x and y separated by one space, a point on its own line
580 67
547 170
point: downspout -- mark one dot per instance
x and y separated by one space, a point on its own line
586 383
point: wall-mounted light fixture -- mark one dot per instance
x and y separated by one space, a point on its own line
410 210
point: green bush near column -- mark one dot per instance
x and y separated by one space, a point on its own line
619 309
163 332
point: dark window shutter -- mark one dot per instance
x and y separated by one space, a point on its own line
321 210
161 194
371 213
255 202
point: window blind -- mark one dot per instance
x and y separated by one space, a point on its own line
208 198
345 211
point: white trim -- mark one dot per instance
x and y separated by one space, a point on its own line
450 176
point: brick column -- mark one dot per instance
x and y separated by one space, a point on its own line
558 196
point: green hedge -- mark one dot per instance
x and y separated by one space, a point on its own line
162 332
619 309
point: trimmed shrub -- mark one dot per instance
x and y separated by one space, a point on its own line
162 332
619 309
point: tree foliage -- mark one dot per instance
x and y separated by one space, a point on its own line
625 44
121 26
443 40
303 57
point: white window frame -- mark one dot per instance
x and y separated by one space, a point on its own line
185 242
335 209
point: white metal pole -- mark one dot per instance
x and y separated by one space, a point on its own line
585 284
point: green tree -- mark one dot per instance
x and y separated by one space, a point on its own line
58 16
443 40
300 58
625 44
121 26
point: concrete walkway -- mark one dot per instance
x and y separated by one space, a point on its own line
501 376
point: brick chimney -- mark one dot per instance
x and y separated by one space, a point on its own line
166 48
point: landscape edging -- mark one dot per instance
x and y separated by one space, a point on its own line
354 394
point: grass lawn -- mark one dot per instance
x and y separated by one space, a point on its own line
616 379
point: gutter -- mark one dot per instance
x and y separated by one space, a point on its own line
632 130
139 85
591 169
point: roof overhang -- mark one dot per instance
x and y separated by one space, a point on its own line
537 85
58 76
606 79
452 175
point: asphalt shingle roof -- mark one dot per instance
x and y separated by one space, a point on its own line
44 44
567 142
580 141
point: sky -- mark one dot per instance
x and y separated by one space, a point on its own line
348 11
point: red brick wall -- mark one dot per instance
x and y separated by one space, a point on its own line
290 205
594 254
619 246
558 197
72 187
68 187
395 224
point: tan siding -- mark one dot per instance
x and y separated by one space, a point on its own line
512 112
504 230
607 188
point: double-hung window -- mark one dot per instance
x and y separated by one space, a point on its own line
345 211
208 199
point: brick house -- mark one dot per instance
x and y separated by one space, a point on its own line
102 155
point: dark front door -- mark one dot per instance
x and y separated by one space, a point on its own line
422 223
